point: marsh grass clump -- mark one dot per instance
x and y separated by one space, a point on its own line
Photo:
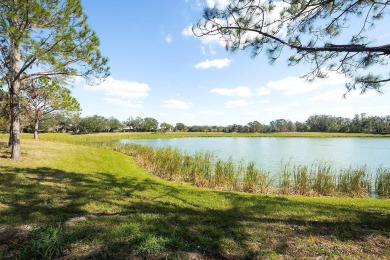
354 182
302 178
167 163
218 173
204 169
255 180
231 175
382 182
186 168
285 180
323 179
251 178
144 155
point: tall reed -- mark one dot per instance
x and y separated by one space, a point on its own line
251 178
186 168
285 180
354 182
302 179
219 173
204 169
382 182
231 175
323 180
255 180
320 179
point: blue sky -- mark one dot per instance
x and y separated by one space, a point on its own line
160 70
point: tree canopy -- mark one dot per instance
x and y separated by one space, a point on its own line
52 38
330 35
138 124
44 97
44 38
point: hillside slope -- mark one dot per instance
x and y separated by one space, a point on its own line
71 201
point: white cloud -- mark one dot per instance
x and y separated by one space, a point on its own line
203 49
262 102
236 103
168 38
221 4
209 40
199 4
317 111
376 110
77 81
209 50
195 4
290 86
187 31
208 113
204 116
121 92
237 91
130 104
120 88
216 63
383 36
294 104
277 109
263 91
331 95
176 104
337 95
251 114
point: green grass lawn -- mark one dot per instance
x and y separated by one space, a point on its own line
71 201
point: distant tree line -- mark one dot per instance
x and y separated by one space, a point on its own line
94 124
320 123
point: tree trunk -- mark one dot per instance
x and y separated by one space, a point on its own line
9 121
15 134
14 96
36 125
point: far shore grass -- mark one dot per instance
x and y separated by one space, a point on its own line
104 137
69 201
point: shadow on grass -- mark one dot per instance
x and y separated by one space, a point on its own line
131 216
4 151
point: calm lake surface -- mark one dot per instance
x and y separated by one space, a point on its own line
269 152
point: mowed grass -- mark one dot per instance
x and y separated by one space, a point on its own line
72 201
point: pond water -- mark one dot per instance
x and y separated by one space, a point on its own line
270 153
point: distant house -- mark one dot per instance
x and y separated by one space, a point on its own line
128 129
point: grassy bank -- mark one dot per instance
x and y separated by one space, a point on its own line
72 201
105 137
